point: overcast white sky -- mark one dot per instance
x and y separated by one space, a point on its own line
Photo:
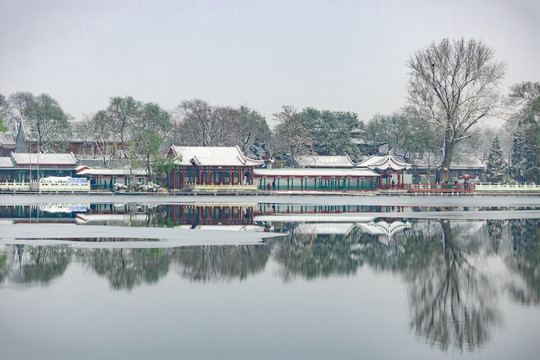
335 55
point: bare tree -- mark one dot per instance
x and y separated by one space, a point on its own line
290 135
250 131
15 108
453 85
205 125
49 124
122 114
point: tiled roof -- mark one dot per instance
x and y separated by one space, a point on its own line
212 156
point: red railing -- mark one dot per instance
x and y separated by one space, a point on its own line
459 188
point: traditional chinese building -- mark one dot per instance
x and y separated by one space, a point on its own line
23 167
316 179
7 146
392 171
318 172
199 167
104 179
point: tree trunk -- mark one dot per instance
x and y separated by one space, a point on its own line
446 162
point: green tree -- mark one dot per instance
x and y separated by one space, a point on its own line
526 138
3 128
405 135
148 132
453 85
495 166
330 131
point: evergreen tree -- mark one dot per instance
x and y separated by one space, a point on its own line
526 145
517 159
495 167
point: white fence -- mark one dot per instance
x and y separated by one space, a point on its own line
16 186
47 185
508 187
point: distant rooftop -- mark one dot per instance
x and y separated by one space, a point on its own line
324 161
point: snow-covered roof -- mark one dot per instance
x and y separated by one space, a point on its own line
6 162
44 159
112 172
5 141
382 163
385 228
324 161
285 172
212 156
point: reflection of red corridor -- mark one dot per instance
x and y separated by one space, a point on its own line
211 215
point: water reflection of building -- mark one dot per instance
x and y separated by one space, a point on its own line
42 214
211 214
244 216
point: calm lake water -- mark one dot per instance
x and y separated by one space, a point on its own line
241 280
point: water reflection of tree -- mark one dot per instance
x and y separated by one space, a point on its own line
222 263
315 255
34 264
126 268
452 303
525 236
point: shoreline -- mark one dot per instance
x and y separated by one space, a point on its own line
431 200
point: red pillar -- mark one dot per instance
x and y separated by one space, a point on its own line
181 183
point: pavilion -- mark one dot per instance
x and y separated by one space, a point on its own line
391 170
197 167
318 172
